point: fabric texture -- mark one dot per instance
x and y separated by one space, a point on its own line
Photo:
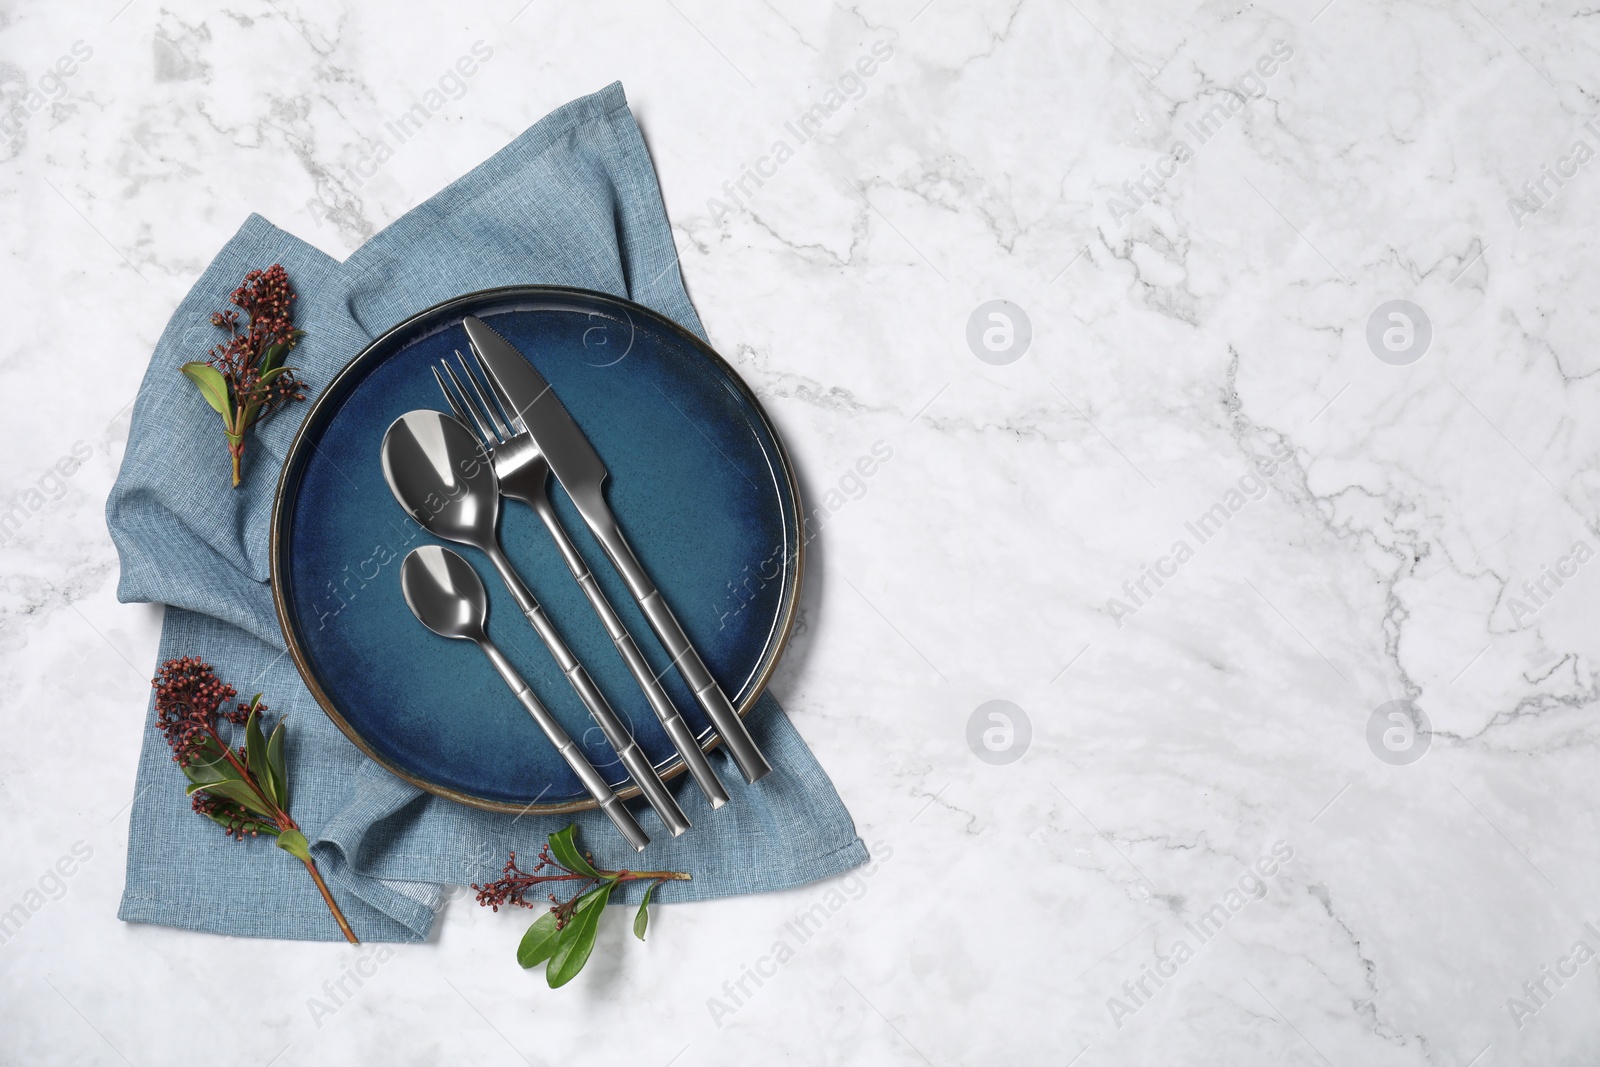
572 201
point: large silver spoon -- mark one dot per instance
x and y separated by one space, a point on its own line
440 475
446 596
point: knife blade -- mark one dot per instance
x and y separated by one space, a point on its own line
582 473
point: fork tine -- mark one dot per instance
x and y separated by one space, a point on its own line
485 404
461 403
513 416
450 397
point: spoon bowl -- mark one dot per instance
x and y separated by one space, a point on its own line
439 474
445 593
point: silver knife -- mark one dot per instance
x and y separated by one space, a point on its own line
582 474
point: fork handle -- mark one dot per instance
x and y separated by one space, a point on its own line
609 802
678 731
741 746
628 751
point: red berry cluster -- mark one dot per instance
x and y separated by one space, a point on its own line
509 889
268 299
232 816
189 697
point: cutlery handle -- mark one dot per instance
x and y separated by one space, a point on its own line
628 750
678 731
620 816
741 746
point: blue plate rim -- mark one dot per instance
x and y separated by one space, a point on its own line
333 393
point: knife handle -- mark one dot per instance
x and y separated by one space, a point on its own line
609 803
741 746
678 731
628 750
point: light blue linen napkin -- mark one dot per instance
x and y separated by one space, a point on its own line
572 201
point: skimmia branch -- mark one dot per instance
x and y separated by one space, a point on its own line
245 378
244 790
564 935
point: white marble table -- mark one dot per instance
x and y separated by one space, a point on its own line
1198 650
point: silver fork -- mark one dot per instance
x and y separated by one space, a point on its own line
525 475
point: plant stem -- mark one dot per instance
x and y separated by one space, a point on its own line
327 896
621 876
286 822
237 454
640 876
227 752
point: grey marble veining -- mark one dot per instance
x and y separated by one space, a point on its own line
1221 537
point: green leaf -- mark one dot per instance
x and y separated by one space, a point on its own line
567 854
236 791
272 352
205 773
213 386
642 920
275 762
255 745
266 379
295 844
540 942
210 765
577 940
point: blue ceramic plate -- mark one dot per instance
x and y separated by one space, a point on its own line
699 481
